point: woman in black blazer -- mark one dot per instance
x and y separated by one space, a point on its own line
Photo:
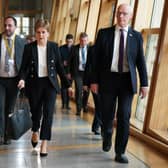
40 66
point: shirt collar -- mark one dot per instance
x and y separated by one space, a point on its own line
124 28
11 37
83 47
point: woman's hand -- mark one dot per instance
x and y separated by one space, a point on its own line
21 84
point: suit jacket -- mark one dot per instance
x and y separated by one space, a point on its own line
89 66
29 68
104 55
65 54
74 61
19 47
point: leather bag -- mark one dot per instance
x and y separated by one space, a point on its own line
20 120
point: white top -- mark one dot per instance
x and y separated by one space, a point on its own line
12 66
81 68
114 65
42 61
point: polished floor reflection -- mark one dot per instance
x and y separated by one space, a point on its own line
72 146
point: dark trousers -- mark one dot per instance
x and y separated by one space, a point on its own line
65 96
8 94
97 115
81 96
121 95
42 98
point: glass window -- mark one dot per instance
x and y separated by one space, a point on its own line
151 35
25 26
150 56
157 13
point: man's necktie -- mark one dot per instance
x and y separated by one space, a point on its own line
83 58
121 51
8 54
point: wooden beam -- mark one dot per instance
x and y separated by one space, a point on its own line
92 19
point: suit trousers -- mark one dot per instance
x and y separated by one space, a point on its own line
97 121
8 94
118 99
81 97
42 98
64 95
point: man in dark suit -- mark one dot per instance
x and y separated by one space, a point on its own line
96 124
76 69
11 51
65 51
119 52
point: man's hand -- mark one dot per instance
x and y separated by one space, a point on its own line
85 88
143 92
94 88
70 91
69 76
21 84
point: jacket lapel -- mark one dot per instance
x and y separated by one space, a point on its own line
48 54
130 42
35 55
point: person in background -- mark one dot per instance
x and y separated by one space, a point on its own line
11 50
65 51
30 38
40 66
76 72
96 124
118 54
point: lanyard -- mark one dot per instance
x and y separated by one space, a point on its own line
9 49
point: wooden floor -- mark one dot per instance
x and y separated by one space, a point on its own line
143 151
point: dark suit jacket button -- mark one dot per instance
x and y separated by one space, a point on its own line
32 76
52 75
52 61
52 67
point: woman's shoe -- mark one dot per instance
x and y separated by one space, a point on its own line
34 139
43 148
43 154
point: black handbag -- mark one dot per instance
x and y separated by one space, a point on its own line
20 120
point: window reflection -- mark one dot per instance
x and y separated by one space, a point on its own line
150 56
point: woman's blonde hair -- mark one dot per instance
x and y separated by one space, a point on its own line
42 23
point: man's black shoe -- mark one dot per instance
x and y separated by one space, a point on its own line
7 142
96 131
106 145
121 158
85 109
1 140
78 113
68 108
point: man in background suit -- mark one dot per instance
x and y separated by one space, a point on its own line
96 124
65 51
76 69
119 52
11 50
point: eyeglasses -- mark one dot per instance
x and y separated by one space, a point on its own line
122 13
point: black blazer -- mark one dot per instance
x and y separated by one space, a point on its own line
74 61
104 54
19 47
89 66
65 54
29 68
